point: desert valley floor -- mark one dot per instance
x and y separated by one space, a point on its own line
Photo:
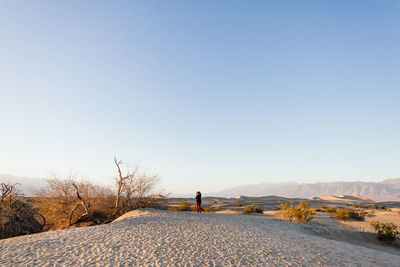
167 238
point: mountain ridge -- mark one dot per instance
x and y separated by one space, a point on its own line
386 190
29 186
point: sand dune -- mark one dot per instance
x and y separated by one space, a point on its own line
345 198
166 238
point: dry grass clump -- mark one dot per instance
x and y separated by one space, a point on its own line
252 208
302 213
372 212
360 207
182 206
386 231
211 209
330 210
347 214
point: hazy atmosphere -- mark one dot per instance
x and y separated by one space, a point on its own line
208 95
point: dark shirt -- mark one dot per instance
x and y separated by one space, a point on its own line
198 198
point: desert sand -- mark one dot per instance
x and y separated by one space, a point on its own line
167 238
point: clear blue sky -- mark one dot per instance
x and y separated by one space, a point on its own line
208 94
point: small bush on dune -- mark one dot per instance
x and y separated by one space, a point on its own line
253 208
360 207
211 209
302 213
386 231
17 216
182 206
330 210
347 214
372 212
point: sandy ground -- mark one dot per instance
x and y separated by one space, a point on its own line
274 202
166 238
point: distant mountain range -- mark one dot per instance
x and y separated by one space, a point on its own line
388 190
27 185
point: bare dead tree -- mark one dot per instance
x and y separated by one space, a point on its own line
120 183
134 188
8 190
61 188
17 217
85 206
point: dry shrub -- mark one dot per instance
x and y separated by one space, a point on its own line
182 206
67 201
135 189
372 212
297 214
386 231
58 201
17 217
210 208
252 208
347 214
330 210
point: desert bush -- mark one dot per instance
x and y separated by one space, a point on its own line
135 189
330 210
67 201
59 203
182 206
239 205
17 216
297 214
360 207
210 208
347 214
372 212
252 208
321 209
386 231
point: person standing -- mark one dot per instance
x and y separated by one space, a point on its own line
198 202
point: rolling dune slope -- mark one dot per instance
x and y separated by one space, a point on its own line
166 238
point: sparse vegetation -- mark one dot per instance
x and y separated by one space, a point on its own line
360 207
386 231
252 208
17 216
182 206
347 214
68 202
330 210
210 208
372 212
239 205
301 213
